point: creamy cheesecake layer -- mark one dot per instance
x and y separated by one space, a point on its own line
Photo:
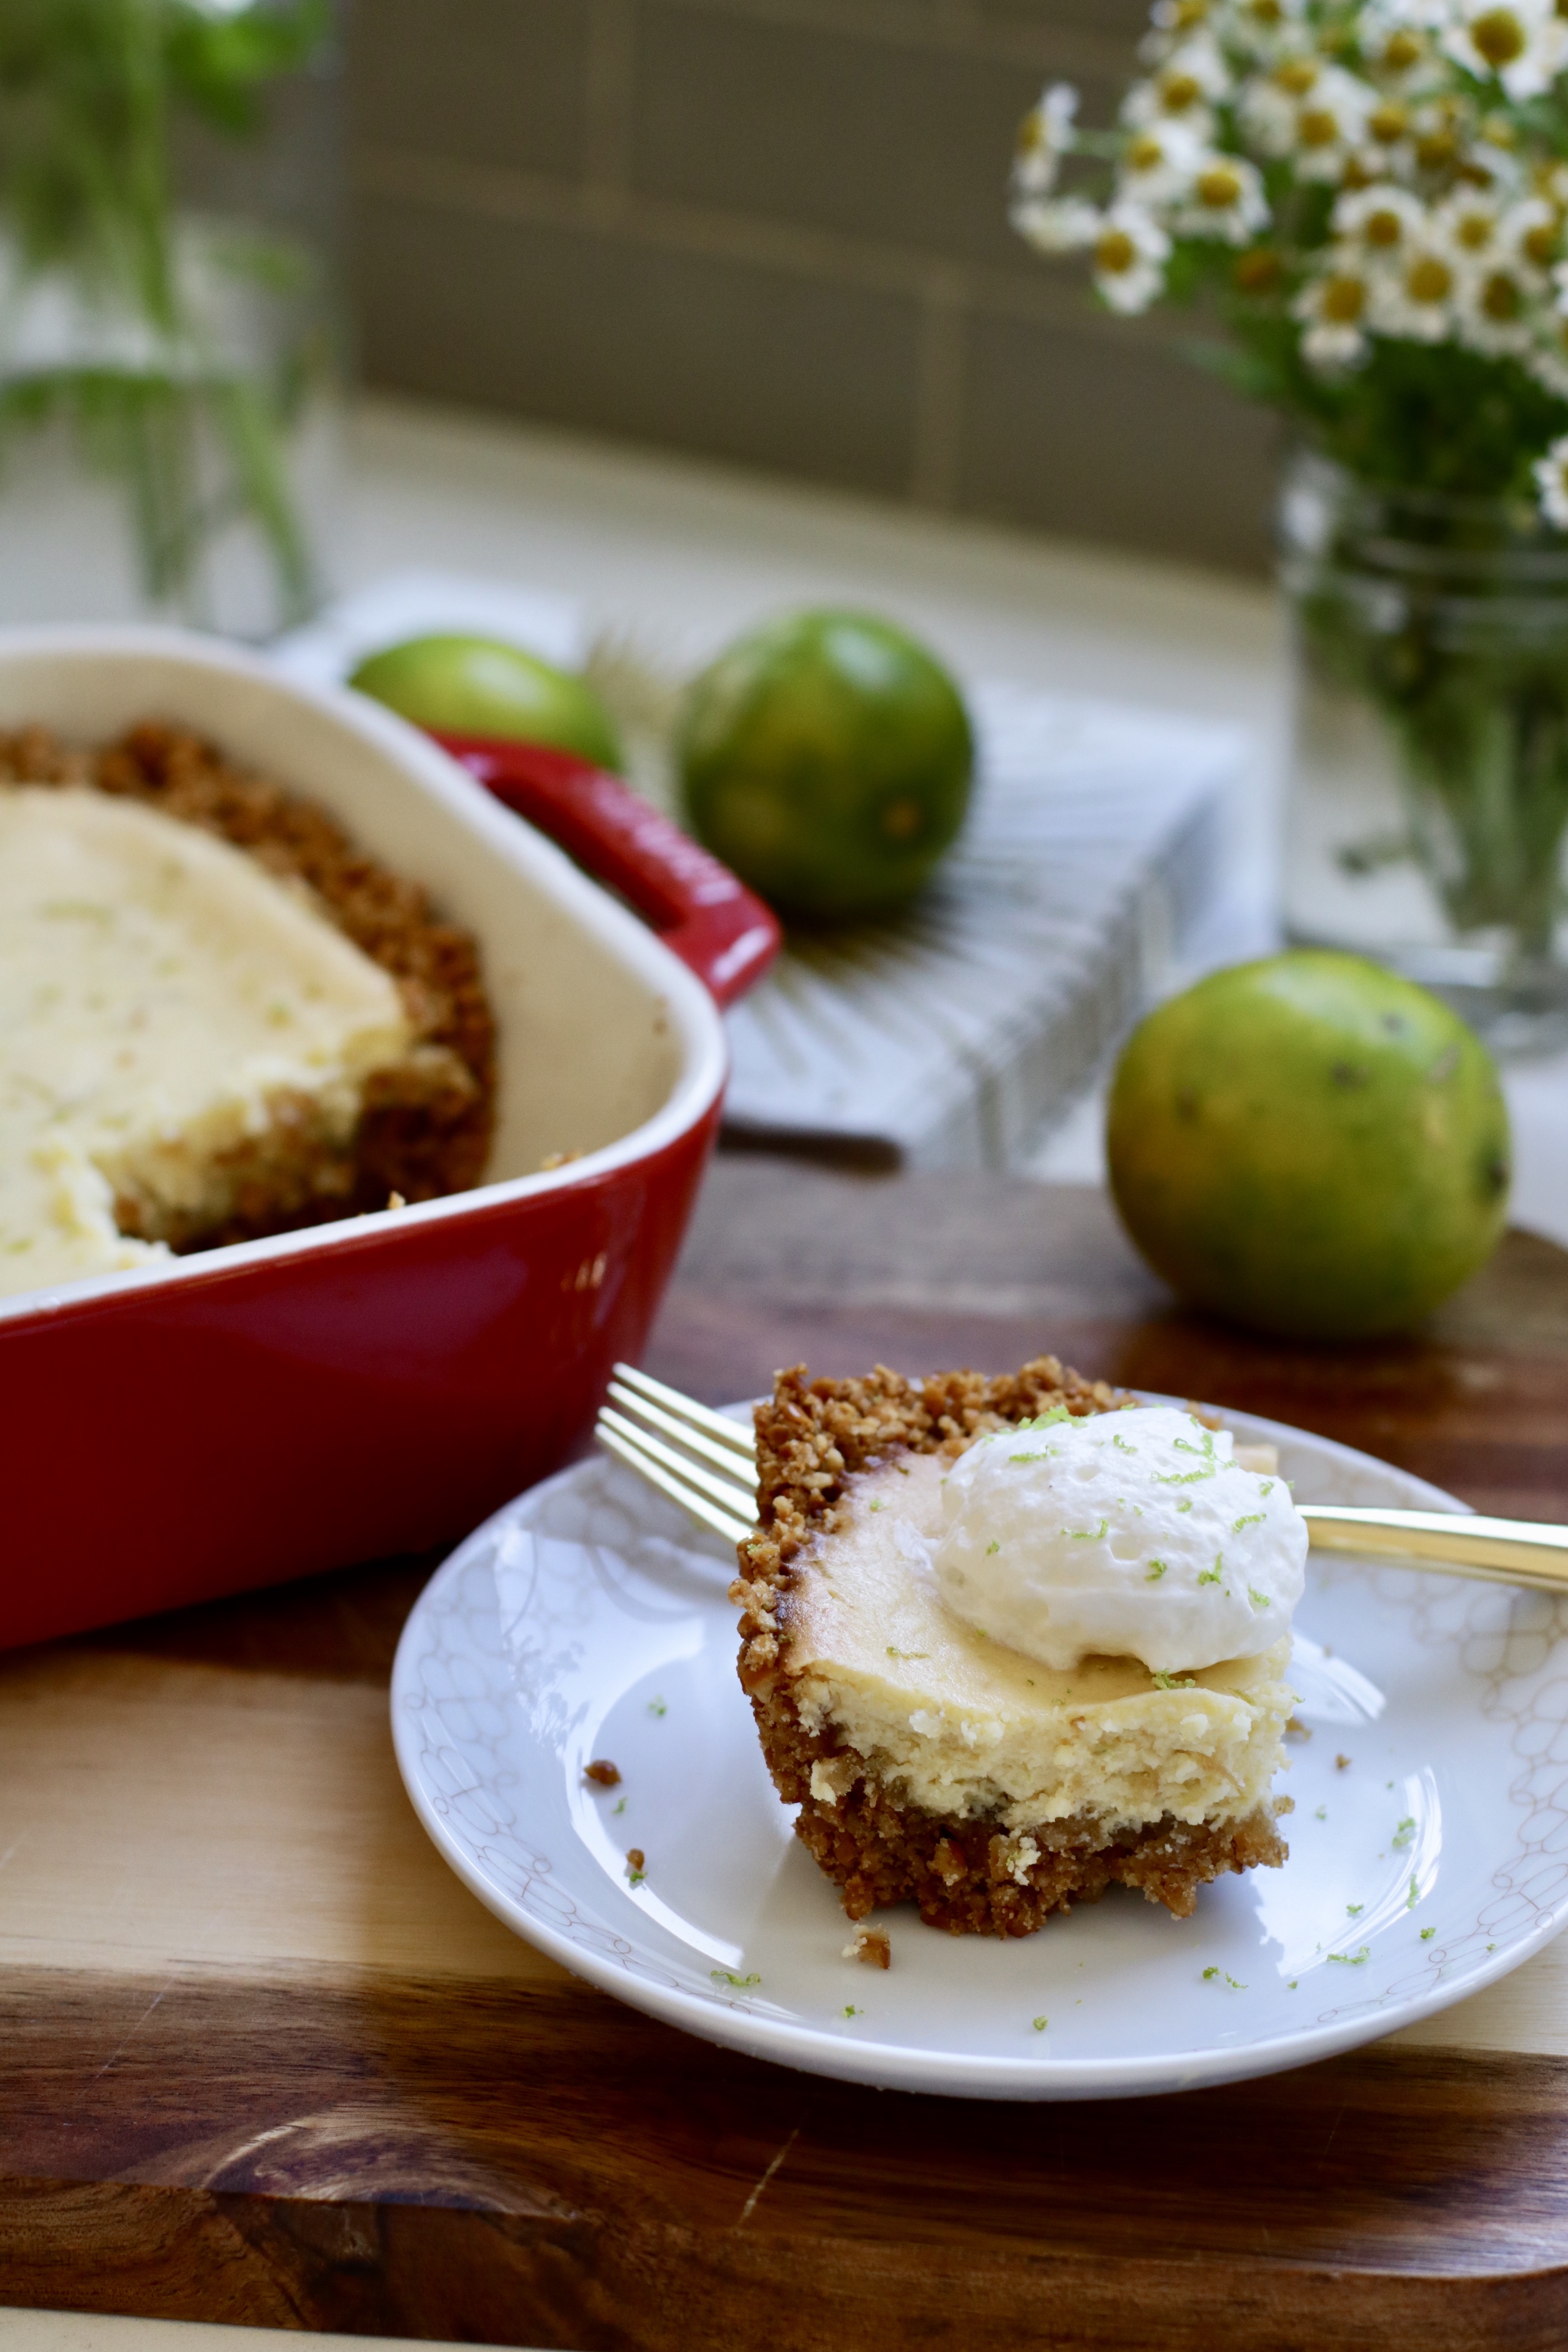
962 1727
175 1023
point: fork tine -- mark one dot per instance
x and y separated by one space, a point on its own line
722 1522
693 1439
731 1494
703 1416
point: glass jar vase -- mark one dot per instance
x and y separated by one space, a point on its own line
1427 818
169 326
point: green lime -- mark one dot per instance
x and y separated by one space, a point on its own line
1309 1145
479 686
826 758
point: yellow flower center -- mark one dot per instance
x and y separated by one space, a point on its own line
1115 253
1296 75
1401 51
1316 127
1499 37
1431 280
1387 124
1539 244
1178 92
1145 154
1383 228
1500 297
1257 272
1220 188
1474 230
1343 301
1435 150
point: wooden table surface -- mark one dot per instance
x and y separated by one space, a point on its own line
264 2060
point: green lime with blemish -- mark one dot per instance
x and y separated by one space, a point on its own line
826 758
1309 1145
482 686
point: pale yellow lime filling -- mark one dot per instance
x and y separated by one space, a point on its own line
962 1727
163 1002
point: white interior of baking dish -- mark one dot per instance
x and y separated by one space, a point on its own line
607 1045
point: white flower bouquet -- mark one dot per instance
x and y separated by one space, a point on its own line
1371 198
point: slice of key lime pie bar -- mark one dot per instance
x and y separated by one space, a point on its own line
1009 1642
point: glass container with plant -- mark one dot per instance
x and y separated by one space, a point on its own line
157 309
1368 198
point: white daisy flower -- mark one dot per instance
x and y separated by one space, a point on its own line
1521 43
1552 483
1172 22
1130 251
1158 163
1495 309
1260 27
1056 225
1471 222
1530 233
1379 221
1416 301
1333 308
1548 358
1045 136
1225 200
1315 113
1186 87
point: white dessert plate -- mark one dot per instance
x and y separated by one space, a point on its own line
588 1620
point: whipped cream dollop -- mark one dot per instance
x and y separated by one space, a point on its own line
1130 1534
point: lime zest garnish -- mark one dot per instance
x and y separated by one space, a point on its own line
1211 1575
1041 1420
1352 1959
1252 1519
1173 1682
990 1547
1428 1934
907 1654
1404 1834
1414 1897
1085 1535
1041 2024
728 1975
1259 1600
1156 1571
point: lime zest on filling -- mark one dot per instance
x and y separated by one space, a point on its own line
1156 1571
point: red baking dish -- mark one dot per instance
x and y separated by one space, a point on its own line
260 1412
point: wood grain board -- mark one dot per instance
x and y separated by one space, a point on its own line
262 2059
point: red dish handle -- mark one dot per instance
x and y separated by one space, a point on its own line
709 919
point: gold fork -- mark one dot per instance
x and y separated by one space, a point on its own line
708 1464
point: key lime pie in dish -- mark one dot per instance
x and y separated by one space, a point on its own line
1009 1642
217 1019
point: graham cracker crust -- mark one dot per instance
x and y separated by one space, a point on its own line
970 1876
427 1125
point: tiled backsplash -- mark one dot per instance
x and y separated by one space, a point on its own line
775 231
